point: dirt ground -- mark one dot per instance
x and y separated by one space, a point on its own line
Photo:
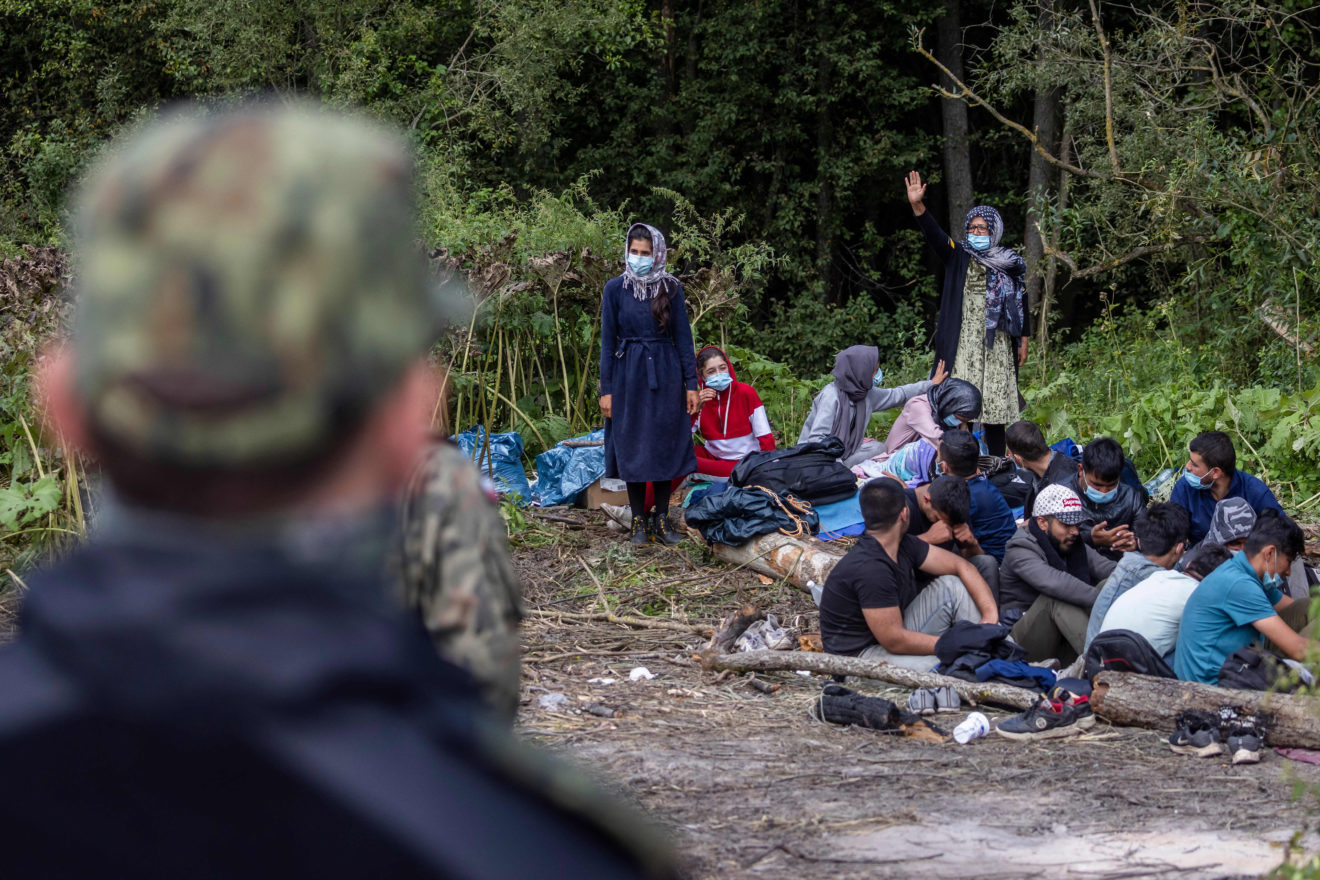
750 785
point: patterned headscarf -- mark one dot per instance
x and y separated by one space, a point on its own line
1005 278
647 287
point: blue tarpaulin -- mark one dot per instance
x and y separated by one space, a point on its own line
562 472
501 459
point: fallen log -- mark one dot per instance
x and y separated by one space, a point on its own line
833 664
1145 701
779 556
774 555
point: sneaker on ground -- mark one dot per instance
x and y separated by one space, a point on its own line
1047 719
1245 740
922 701
1196 733
947 699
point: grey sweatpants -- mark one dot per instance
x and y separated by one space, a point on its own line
934 611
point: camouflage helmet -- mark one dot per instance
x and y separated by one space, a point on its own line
247 284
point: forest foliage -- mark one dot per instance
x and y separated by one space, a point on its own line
769 139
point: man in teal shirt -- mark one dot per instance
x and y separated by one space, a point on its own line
1242 602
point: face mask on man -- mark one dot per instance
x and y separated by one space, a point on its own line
952 421
878 377
979 242
1101 497
719 381
1194 481
640 265
1273 581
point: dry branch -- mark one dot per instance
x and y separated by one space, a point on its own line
1144 701
833 664
611 617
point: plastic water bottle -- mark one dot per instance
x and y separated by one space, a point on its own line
1159 480
976 725
816 591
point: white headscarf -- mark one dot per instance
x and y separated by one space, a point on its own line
646 287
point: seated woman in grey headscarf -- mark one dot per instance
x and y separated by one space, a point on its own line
844 407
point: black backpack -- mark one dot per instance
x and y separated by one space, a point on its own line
1122 650
1248 669
811 471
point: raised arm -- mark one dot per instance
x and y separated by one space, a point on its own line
939 241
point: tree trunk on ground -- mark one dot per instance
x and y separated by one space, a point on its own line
957 151
779 556
1146 701
1045 122
833 664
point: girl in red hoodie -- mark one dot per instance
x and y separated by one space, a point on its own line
732 419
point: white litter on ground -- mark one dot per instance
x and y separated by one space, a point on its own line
641 672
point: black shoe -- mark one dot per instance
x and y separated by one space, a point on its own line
1046 720
640 533
662 531
1245 740
1197 734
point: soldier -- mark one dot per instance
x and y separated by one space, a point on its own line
454 569
220 683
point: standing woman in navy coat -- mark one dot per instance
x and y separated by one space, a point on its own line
648 382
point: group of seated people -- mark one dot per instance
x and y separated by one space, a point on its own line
1197 577
1212 570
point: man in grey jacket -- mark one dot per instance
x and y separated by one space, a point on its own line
1051 578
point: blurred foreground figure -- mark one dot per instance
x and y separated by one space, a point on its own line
453 567
221 684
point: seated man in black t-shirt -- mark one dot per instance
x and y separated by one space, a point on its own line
873 604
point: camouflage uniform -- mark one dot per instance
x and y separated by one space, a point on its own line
245 696
453 567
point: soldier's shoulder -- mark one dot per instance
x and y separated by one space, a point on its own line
447 472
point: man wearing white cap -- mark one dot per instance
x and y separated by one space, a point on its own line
1051 578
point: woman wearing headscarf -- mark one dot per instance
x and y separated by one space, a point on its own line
844 407
648 382
983 323
950 406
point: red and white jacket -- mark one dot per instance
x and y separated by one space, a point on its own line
734 423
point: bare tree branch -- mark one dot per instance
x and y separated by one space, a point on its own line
964 92
1109 91
1075 271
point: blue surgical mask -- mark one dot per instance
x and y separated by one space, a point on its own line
1194 481
640 265
979 242
878 378
952 421
1101 497
1273 581
719 381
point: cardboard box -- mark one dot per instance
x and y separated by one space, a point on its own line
594 496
